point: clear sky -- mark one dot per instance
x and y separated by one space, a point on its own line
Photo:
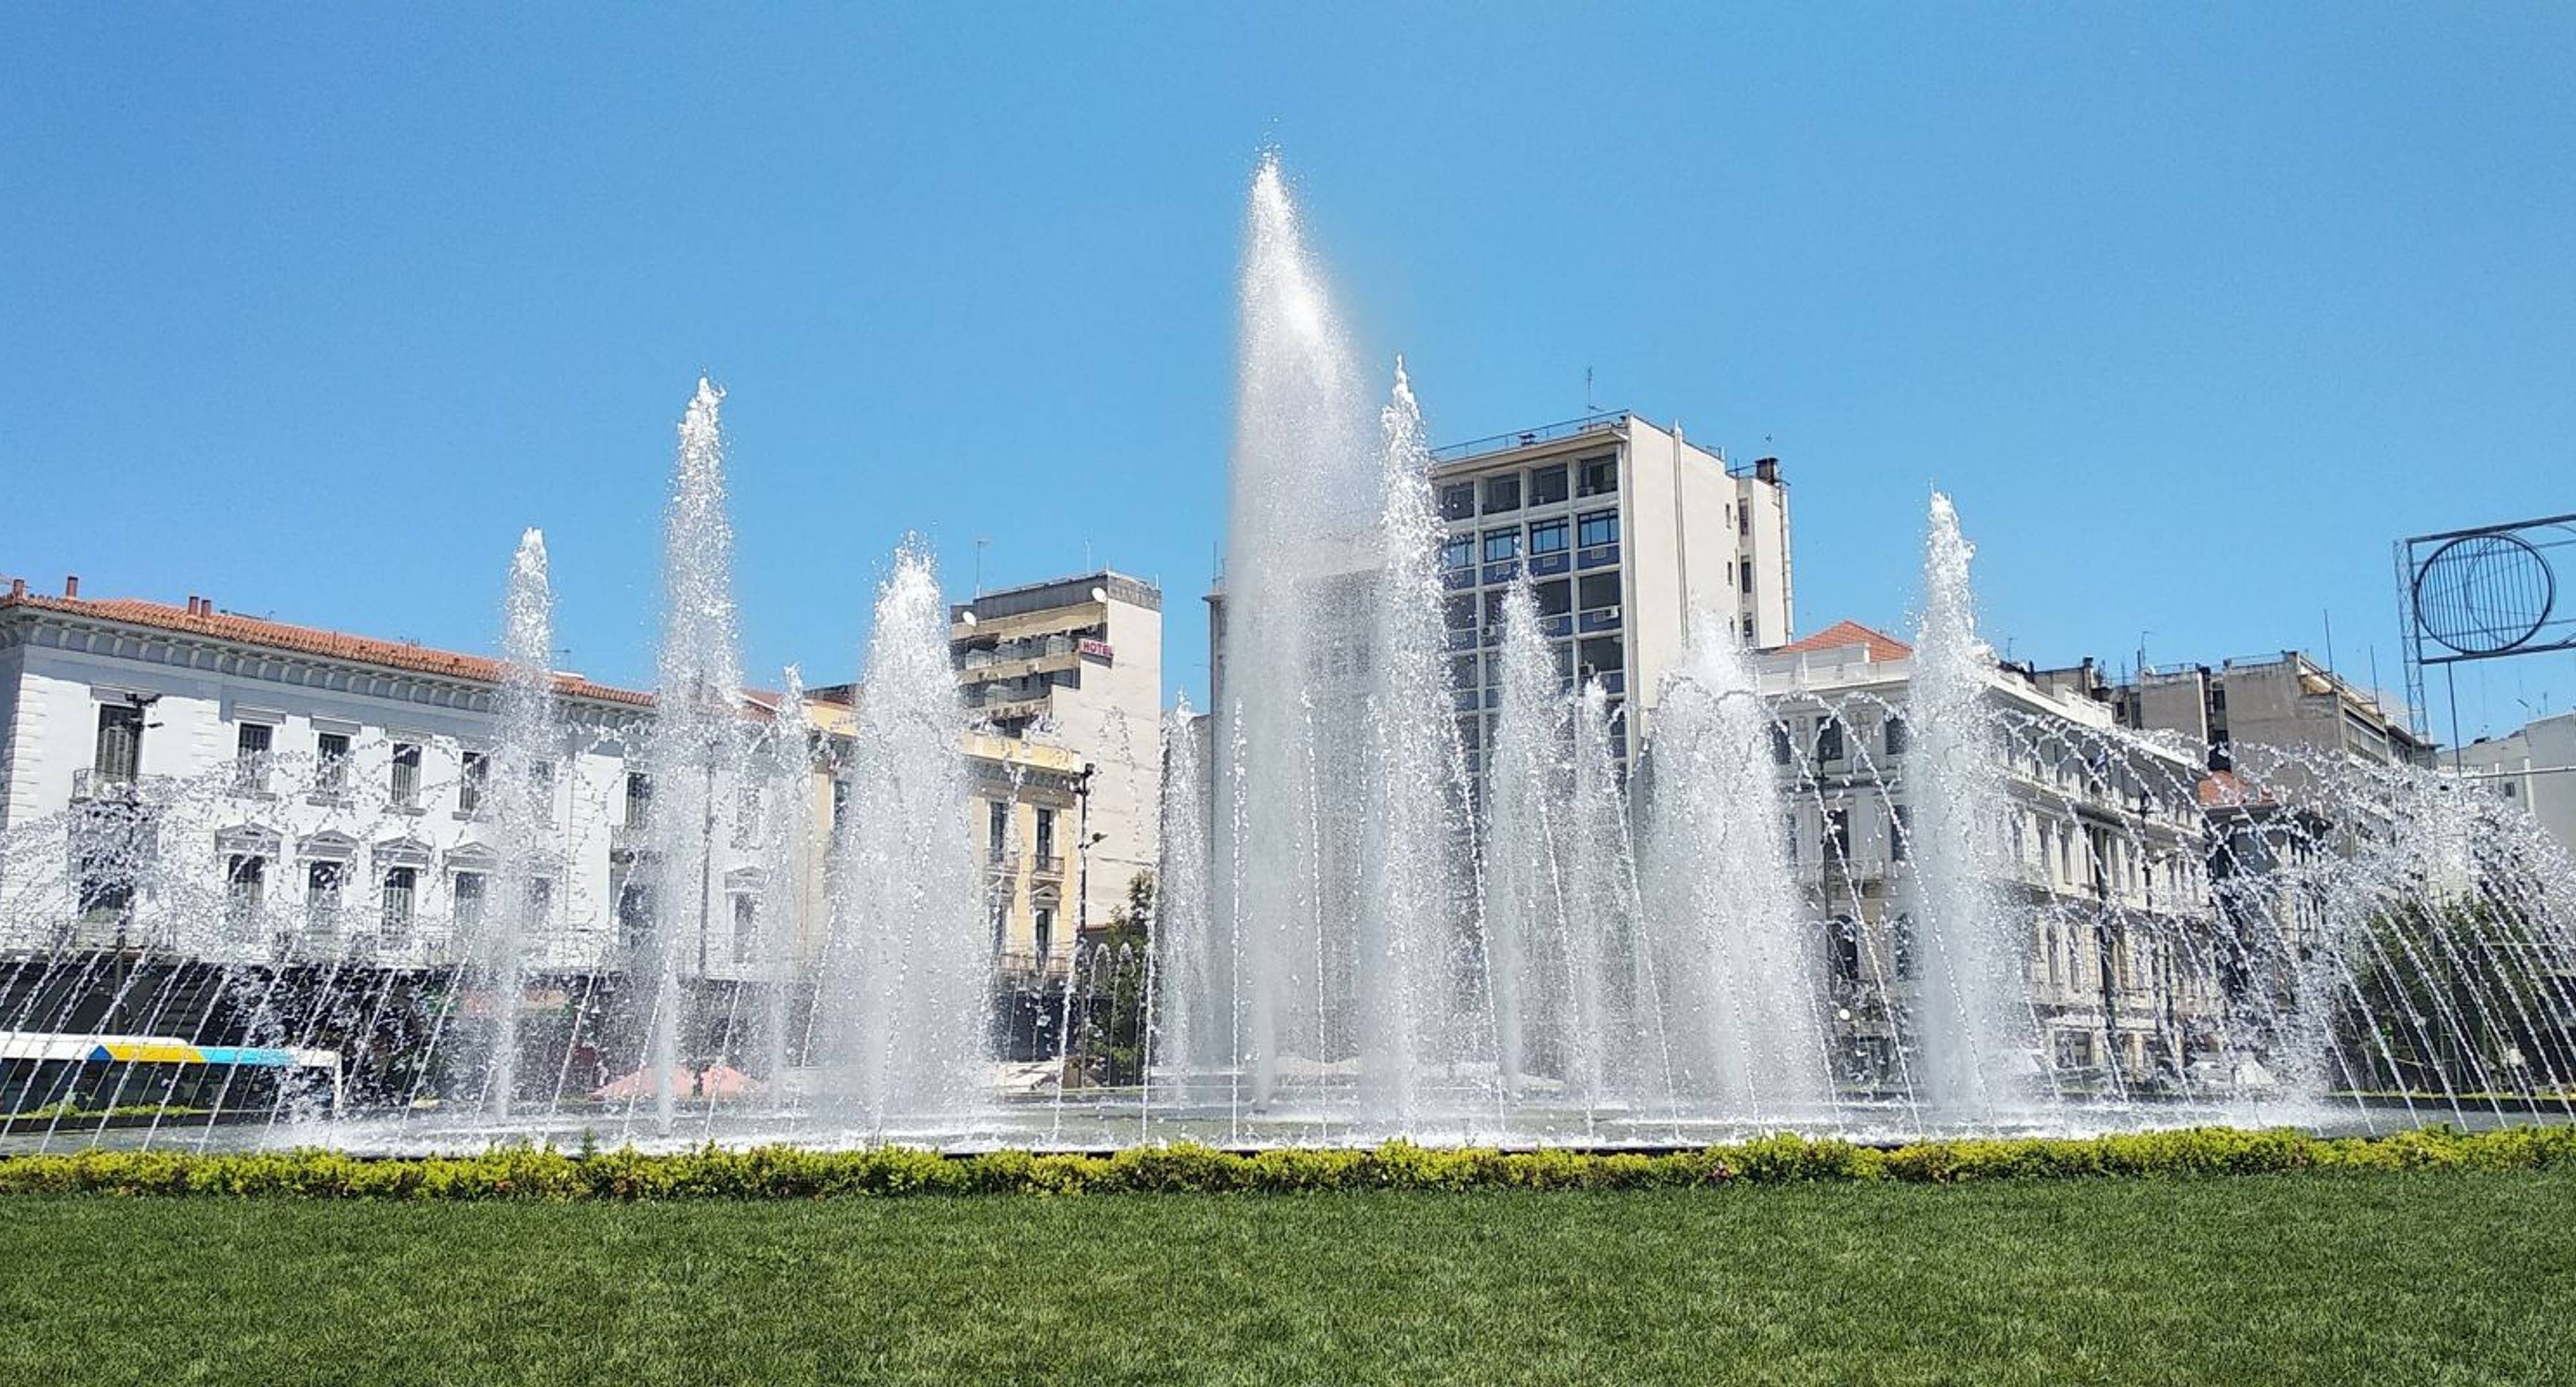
2193 308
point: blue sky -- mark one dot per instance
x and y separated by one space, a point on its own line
2194 309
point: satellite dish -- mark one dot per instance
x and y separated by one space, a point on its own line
1100 594
965 618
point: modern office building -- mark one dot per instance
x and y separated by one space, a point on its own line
2105 841
1625 530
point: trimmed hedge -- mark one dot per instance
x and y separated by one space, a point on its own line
787 1172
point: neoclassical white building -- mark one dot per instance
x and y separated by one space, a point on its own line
2106 847
190 780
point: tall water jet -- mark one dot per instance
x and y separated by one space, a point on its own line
521 780
697 747
1723 917
787 865
1417 901
1613 1020
1187 996
1528 791
907 982
1296 612
1972 1026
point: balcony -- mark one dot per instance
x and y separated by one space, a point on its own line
1002 862
93 784
1598 619
1597 556
1048 865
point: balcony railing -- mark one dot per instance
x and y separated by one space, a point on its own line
1545 433
1050 865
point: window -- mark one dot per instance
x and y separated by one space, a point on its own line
468 891
1900 833
1745 574
635 914
1842 943
1459 613
538 905
250 754
997 913
746 816
1600 476
1046 833
1044 930
1502 546
245 883
1829 739
401 884
1599 528
120 741
1789 835
1494 607
1748 630
1549 536
840 800
1597 592
639 799
746 926
1602 655
469 786
1895 732
1457 552
1547 485
1458 501
1502 493
322 896
1555 598
330 761
406 777
1906 961
1838 834
997 830
1744 523
1462 672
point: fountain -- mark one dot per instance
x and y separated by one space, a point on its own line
1359 930
521 772
696 752
902 1019
1972 1032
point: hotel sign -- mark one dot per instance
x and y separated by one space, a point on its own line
1097 650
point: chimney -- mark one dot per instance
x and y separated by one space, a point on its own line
71 585
195 607
1766 469
17 587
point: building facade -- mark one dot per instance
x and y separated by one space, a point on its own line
1063 680
2534 767
2287 704
1625 530
2104 857
233 788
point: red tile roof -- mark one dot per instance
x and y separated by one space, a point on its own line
1879 644
306 640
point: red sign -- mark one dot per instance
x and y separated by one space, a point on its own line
1098 650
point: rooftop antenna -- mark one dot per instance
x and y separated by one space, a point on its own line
1588 406
980 542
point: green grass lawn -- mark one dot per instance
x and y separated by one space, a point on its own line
2414 1278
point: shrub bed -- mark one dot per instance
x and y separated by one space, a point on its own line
788 1172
